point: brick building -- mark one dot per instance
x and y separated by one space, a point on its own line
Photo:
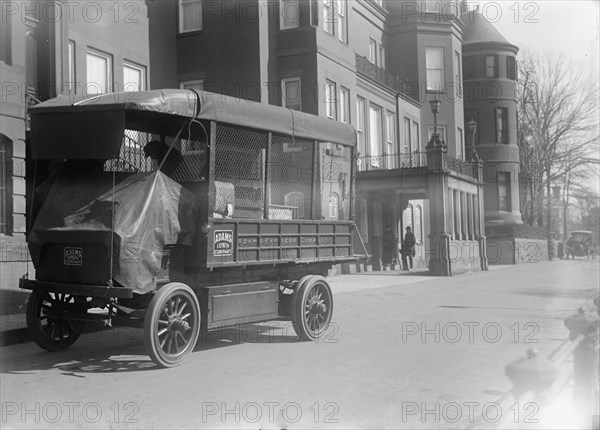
376 64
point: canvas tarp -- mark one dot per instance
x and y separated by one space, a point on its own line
150 211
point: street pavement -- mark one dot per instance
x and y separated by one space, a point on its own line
405 350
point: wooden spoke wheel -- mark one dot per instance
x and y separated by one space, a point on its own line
46 323
172 324
312 307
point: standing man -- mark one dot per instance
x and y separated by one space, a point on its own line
569 251
408 249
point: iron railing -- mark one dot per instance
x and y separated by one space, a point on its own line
392 161
461 166
377 74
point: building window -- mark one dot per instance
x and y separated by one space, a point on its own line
71 65
511 68
434 58
330 100
457 78
314 12
291 93
134 77
407 139
373 51
491 66
190 15
6 36
344 105
334 18
328 16
99 72
360 124
390 137
381 56
390 134
504 191
197 84
501 125
295 199
460 144
341 20
375 139
469 67
415 137
289 14
6 170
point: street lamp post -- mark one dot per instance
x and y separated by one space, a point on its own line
472 127
435 137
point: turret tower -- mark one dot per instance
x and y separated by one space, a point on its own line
490 91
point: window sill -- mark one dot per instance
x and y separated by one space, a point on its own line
190 33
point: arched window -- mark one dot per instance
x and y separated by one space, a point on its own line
295 199
6 147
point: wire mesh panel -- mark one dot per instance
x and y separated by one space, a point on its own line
184 160
240 166
291 165
131 155
192 154
335 180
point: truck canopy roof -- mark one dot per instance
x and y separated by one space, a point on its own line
78 127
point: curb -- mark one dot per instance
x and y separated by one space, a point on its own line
15 336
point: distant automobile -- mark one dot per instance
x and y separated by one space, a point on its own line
579 243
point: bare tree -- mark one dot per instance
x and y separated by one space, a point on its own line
558 128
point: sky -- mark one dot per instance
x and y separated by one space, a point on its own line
565 27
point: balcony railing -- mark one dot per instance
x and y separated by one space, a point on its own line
377 74
460 166
392 161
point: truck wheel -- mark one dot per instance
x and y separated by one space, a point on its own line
45 323
312 308
172 324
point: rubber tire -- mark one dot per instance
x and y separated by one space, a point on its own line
153 313
37 331
305 286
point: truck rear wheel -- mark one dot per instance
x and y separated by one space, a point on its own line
312 307
45 320
172 324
